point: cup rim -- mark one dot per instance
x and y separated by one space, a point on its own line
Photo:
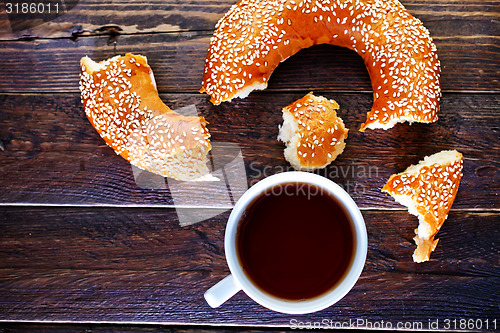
310 305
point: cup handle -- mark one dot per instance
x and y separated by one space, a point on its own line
222 291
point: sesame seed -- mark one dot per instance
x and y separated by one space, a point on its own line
247 36
120 118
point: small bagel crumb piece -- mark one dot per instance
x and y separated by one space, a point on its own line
313 134
428 189
122 103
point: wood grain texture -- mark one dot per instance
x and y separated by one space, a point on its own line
51 146
130 265
41 327
177 59
154 16
117 253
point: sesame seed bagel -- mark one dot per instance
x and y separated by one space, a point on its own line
256 35
313 134
428 189
121 101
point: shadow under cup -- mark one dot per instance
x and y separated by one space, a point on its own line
296 242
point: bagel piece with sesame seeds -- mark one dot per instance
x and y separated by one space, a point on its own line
254 36
428 190
313 134
122 103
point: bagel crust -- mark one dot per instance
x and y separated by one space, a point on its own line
256 35
428 189
121 102
313 133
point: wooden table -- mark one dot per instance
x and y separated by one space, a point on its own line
81 242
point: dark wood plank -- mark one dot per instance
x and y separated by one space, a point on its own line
129 17
442 18
119 253
469 63
49 144
138 265
40 327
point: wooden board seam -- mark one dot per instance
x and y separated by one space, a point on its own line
221 208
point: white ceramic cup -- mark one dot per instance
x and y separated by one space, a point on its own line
238 280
